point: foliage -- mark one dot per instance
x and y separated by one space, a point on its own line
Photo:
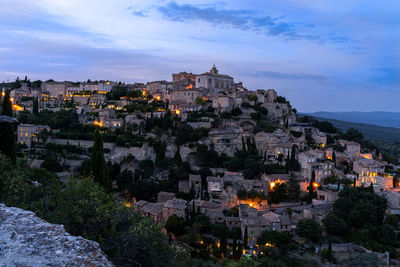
175 225
293 189
278 193
275 238
51 164
145 169
85 209
98 163
334 225
7 105
359 207
124 179
309 229
251 195
119 91
296 134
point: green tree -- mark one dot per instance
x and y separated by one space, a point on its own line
7 105
124 179
35 109
7 137
51 164
311 187
293 189
275 238
175 225
246 237
98 164
309 229
334 225
223 241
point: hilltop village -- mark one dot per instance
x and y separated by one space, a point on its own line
226 171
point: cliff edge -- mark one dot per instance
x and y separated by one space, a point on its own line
26 240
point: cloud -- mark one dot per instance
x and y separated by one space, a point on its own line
240 19
282 75
139 14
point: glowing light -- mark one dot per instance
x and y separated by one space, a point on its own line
98 123
107 83
244 251
3 94
177 112
315 185
269 244
251 204
144 93
201 242
128 204
17 108
272 185
158 98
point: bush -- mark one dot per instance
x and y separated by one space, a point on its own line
309 229
296 134
51 164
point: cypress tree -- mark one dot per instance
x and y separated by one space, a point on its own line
246 236
7 138
177 155
98 163
35 109
395 181
234 248
193 213
334 157
330 253
287 164
293 157
311 187
7 105
224 241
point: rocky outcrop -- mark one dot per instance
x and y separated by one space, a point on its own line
26 240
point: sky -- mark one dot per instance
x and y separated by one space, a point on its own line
321 55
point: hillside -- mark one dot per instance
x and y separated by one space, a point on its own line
386 138
380 118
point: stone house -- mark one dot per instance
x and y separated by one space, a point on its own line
352 149
175 206
154 210
368 167
28 133
223 103
214 185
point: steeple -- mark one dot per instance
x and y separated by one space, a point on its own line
214 70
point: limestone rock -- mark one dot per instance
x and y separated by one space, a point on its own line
26 240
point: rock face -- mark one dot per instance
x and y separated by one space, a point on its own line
26 240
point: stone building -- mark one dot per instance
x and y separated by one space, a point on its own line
214 82
55 89
28 133
174 206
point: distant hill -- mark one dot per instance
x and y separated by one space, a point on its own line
386 138
380 118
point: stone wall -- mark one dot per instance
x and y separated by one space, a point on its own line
26 240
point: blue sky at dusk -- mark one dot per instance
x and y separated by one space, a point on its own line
322 55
